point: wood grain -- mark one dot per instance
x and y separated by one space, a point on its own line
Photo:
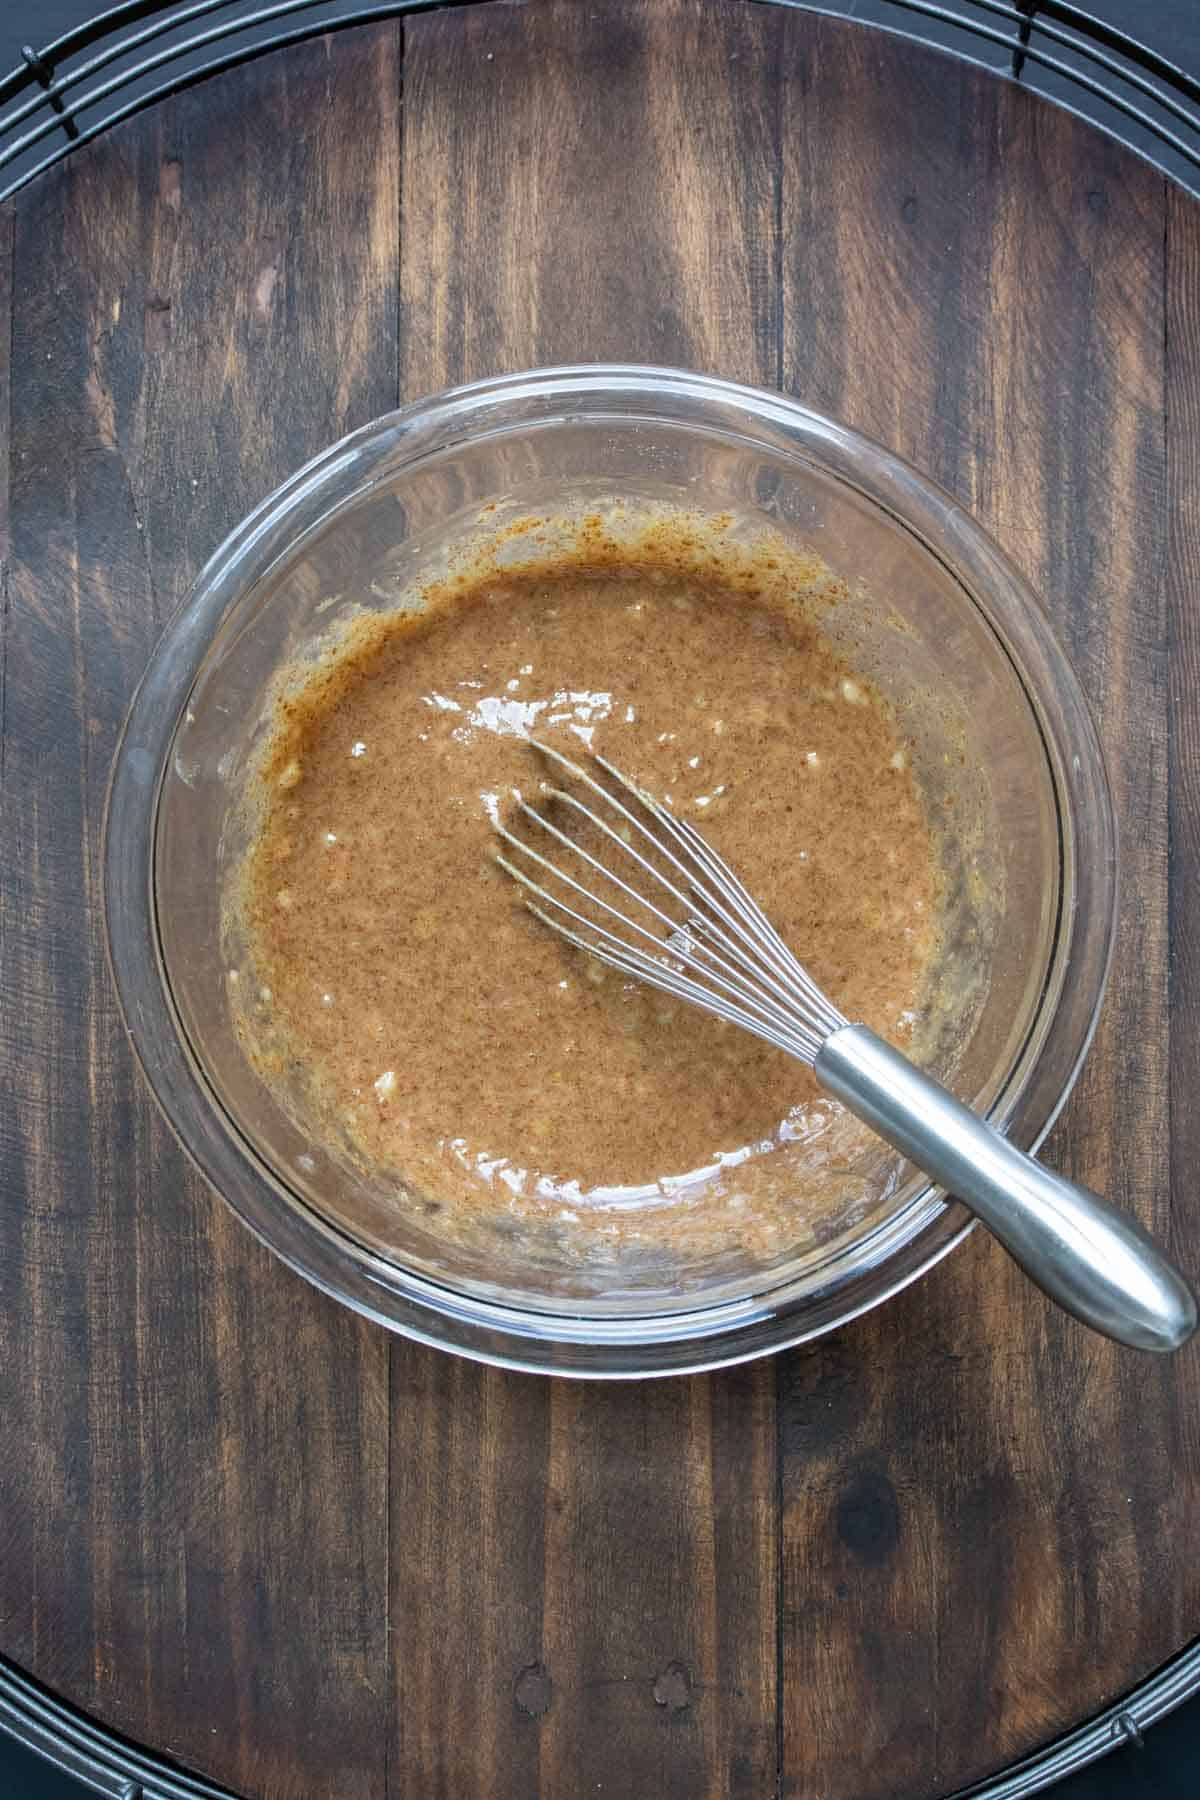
886 207
581 184
1081 424
981 1559
1073 482
1182 518
194 1489
590 184
241 1525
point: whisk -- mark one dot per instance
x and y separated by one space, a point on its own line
662 906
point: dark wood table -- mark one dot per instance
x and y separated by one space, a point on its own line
249 1529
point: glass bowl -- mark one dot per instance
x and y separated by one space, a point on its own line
936 615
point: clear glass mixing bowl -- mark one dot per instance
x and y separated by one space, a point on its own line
936 614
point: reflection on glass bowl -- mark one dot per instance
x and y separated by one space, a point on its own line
937 618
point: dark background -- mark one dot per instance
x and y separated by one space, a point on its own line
1168 1767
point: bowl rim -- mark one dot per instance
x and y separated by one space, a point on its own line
692 1338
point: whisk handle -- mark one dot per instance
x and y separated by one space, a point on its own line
1094 1260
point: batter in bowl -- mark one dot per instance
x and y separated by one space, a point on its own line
437 1029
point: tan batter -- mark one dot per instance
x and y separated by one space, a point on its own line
446 1033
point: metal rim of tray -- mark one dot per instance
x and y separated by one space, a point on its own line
125 59
121 1770
68 92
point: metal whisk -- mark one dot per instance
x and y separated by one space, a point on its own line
689 927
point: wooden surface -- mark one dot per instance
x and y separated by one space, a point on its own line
249 1529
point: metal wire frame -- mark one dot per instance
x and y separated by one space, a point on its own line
90 78
113 1767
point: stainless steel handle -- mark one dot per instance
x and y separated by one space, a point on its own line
1094 1260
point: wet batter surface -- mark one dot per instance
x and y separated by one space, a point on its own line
452 1040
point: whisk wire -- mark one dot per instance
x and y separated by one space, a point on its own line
732 937
742 968
778 1001
755 1002
793 1039
792 974
749 915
